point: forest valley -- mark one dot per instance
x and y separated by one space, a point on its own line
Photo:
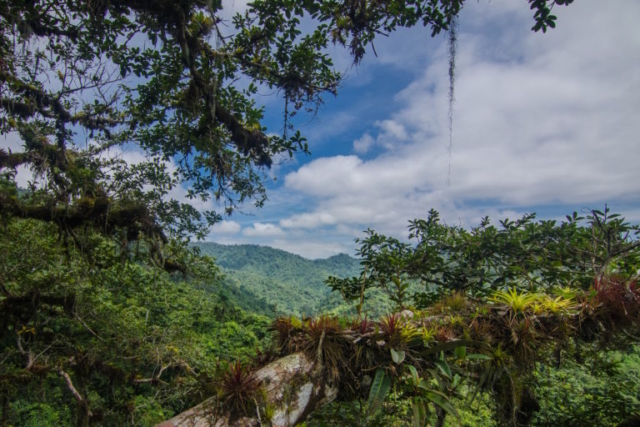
110 316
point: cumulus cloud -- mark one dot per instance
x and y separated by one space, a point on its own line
391 132
312 249
308 220
226 227
363 144
259 229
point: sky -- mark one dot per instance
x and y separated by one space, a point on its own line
544 123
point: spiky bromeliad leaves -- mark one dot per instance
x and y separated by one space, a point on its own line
328 341
239 388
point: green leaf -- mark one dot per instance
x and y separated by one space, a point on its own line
478 356
456 381
443 402
419 412
414 374
397 356
379 390
460 352
443 366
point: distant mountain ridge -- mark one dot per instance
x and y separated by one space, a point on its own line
259 275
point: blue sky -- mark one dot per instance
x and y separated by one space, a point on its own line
545 123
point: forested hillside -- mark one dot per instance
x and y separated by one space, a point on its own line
262 278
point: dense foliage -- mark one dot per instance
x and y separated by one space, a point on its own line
521 254
109 318
106 339
575 383
541 293
112 340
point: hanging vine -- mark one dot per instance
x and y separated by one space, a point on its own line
453 44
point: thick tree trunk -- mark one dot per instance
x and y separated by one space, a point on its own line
294 387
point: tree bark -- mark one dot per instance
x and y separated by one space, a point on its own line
441 415
294 387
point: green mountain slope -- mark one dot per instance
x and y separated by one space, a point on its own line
260 275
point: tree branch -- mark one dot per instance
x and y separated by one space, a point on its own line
135 217
76 394
12 160
292 385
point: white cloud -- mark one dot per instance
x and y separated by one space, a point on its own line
308 220
312 249
259 229
391 130
226 227
363 144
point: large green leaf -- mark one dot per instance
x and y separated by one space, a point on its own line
443 366
379 391
397 356
414 375
442 401
419 412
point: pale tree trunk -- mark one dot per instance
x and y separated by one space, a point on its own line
294 387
